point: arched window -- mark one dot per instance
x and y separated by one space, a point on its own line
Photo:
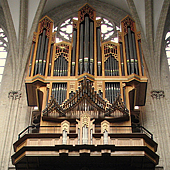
167 47
108 30
3 52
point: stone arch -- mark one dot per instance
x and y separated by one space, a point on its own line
3 22
63 12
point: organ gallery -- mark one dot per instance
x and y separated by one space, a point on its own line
85 91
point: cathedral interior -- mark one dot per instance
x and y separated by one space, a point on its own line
84 84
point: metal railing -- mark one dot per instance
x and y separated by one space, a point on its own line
114 129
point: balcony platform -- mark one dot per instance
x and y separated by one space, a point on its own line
123 151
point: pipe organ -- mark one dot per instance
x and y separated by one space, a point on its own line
85 91
112 70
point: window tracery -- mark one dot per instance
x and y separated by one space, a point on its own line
3 51
108 30
167 47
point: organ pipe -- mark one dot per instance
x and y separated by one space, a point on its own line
59 91
32 53
86 54
50 60
112 90
127 55
135 54
60 66
111 66
37 55
131 56
74 52
99 66
91 47
122 60
41 52
86 44
81 63
45 56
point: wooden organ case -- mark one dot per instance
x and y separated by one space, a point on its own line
86 91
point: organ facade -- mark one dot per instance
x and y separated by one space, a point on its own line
86 91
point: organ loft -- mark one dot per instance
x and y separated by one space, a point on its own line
86 91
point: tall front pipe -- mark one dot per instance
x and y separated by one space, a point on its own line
37 55
86 44
127 55
91 47
32 53
74 52
81 49
50 60
98 52
135 53
45 56
131 49
41 52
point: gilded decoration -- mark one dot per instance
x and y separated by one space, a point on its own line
86 10
98 23
34 37
45 23
138 36
53 38
119 36
62 49
110 49
128 22
75 23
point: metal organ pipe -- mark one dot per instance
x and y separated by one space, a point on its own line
99 67
91 47
81 49
32 53
41 52
111 66
127 55
37 55
122 61
60 66
131 54
45 56
111 91
86 44
59 91
74 52
50 60
135 53
131 50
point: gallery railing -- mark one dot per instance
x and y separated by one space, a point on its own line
115 130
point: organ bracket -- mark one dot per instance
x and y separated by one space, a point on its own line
157 94
14 94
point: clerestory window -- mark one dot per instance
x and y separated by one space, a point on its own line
3 52
108 30
167 47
